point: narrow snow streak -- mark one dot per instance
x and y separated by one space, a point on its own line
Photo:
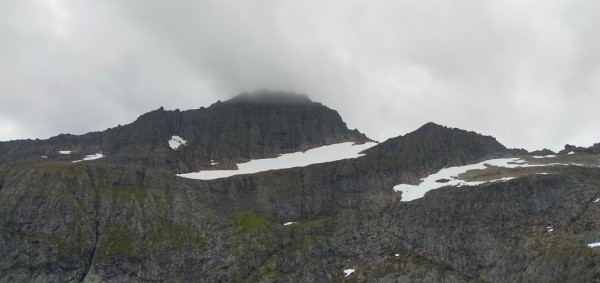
547 156
412 192
176 141
90 157
593 245
65 152
348 271
288 223
596 200
321 154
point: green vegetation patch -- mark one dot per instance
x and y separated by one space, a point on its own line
247 222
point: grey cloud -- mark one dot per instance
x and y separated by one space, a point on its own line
526 72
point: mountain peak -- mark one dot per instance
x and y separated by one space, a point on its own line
271 97
436 142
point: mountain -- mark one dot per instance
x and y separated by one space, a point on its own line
249 126
107 220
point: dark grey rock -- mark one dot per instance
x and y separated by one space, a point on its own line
543 152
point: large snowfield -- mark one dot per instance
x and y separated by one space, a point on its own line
321 154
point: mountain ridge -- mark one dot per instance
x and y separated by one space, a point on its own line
227 132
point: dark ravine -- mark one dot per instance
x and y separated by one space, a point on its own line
113 222
89 257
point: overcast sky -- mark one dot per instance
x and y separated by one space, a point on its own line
526 72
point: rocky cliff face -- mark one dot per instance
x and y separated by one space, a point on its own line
250 126
98 222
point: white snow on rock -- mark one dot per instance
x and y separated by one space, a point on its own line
213 163
348 271
571 152
397 255
547 156
412 192
288 223
593 245
176 141
597 200
550 229
90 157
65 151
44 157
321 154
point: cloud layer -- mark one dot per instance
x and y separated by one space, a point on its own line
526 72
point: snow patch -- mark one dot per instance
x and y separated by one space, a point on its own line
348 271
65 151
288 223
213 163
176 141
321 154
44 157
412 192
593 245
550 229
546 156
596 200
397 255
503 179
571 152
90 157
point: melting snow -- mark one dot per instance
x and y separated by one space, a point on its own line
547 156
593 245
348 271
412 192
321 154
90 157
176 141
288 223
65 151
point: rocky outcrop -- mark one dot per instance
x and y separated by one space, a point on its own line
595 149
543 152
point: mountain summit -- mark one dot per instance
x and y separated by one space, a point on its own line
249 126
